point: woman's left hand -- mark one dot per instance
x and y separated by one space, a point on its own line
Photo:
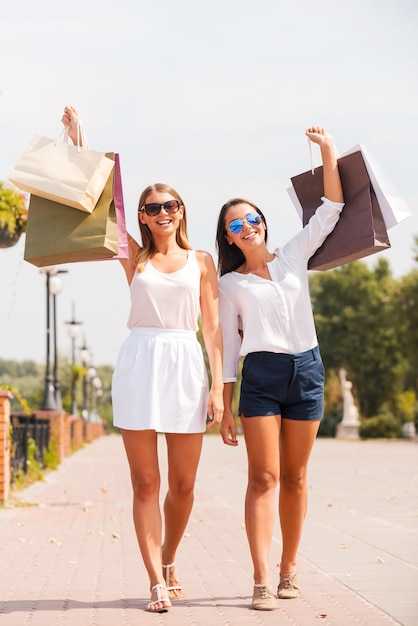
215 407
319 135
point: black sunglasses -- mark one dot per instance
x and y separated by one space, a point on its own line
154 208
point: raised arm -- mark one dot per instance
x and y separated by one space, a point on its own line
69 119
332 182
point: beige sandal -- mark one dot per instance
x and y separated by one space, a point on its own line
166 572
166 604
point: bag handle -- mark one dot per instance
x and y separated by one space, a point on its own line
312 157
82 141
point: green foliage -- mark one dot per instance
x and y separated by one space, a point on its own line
403 406
26 376
13 209
328 425
380 426
51 458
405 319
17 369
354 319
29 378
34 472
16 393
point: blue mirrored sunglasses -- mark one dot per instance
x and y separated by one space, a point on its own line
236 226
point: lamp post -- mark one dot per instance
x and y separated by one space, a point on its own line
91 373
85 360
48 402
73 332
97 391
55 288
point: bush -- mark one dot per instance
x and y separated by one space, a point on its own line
328 425
380 426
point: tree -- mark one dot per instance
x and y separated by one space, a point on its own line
405 316
355 329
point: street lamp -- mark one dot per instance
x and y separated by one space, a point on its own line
96 383
85 360
55 288
73 332
48 402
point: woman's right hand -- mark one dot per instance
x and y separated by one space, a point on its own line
69 119
228 429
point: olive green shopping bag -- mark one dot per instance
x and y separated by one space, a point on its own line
57 233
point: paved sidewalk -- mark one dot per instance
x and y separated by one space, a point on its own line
69 555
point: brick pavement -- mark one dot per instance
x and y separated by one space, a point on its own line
69 554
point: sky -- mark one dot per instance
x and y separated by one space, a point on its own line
211 97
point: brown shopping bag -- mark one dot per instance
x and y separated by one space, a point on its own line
361 229
56 233
58 171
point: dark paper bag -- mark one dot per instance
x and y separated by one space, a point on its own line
57 233
361 230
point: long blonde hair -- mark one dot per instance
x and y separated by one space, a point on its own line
148 248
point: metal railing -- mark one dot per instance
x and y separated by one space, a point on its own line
24 428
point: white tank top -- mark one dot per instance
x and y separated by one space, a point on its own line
160 300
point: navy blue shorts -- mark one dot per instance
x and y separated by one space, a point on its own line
290 385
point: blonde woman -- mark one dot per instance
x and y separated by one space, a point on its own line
160 383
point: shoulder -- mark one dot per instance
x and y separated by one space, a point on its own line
228 281
205 261
202 255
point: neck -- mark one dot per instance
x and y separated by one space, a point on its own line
257 260
166 245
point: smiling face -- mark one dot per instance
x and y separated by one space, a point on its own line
164 222
252 233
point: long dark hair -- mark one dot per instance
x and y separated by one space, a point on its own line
230 257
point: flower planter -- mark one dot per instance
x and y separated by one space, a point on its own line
6 239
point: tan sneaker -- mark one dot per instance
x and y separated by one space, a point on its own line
288 586
264 598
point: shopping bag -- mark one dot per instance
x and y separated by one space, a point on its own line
123 252
361 229
56 233
123 249
392 205
59 171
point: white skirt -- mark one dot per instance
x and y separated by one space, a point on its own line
160 382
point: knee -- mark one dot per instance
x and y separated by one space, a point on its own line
181 490
145 486
263 481
294 483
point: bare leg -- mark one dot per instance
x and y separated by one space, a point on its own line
141 450
262 441
296 441
183 459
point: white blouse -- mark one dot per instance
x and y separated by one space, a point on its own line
274 315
